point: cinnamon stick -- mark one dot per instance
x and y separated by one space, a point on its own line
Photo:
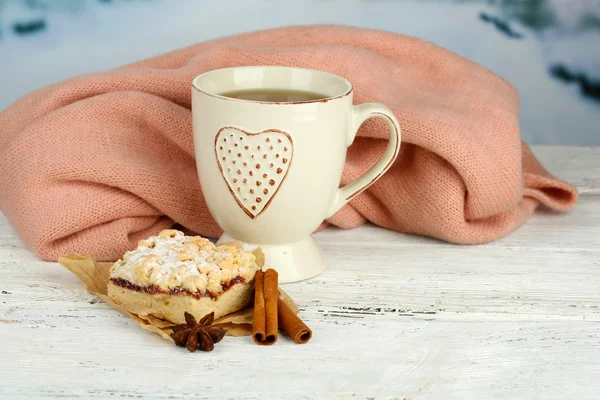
259 321
271 283
291 325
265 324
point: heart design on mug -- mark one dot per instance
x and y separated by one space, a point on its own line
254 165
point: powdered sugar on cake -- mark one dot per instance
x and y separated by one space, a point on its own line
172 260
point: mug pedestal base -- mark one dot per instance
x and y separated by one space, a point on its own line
293 262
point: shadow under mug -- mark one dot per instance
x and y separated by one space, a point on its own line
270 171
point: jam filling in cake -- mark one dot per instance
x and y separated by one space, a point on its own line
153 289
175 264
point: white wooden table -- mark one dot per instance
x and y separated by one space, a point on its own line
393 316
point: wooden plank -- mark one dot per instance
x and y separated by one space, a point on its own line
402 358
530 274
503 283
579 166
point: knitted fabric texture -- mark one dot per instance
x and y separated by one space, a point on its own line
95 163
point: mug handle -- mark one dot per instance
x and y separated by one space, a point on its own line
360 114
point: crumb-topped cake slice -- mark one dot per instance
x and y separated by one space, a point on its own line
171 273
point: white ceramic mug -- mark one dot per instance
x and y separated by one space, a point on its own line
270 171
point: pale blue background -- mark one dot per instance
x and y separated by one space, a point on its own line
82 36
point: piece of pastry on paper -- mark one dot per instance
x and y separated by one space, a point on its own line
171 273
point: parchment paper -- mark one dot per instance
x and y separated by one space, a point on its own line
95 276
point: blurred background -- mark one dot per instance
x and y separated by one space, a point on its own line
548 49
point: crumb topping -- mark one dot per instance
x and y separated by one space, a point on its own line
172 260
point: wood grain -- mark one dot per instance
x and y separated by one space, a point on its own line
393 316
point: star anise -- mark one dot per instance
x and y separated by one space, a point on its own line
200 335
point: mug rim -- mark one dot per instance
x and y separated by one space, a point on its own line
349 87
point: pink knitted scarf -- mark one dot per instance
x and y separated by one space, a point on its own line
97 162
